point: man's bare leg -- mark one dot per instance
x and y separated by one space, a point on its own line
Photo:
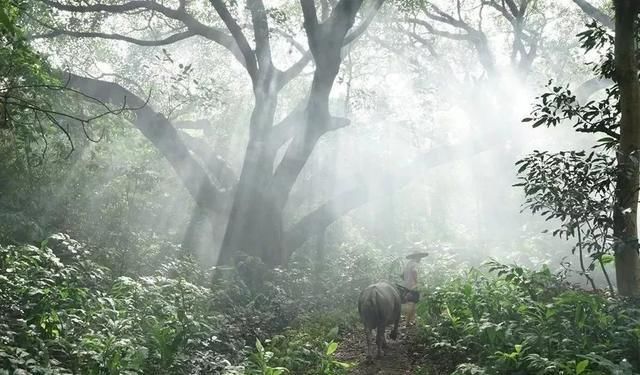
411 314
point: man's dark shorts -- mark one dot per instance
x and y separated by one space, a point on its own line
413 296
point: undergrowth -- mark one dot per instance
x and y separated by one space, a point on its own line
61 312
518 321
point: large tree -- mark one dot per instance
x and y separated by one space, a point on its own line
626 193
252 201
254 205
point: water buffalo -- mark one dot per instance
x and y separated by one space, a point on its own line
379 305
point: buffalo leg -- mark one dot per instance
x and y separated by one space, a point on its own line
368 338
380 341
394 333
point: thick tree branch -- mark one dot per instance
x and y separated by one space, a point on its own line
141 42
193 25
325 42
357 31
343 17
309 14
216 165
157 128
285 129
596 14
291 126
261 34
236 32
286 76
294 70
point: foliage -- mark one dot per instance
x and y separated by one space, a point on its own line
61 312
574 187
309 349
45 189
521 321
576 190
600 115
27 106
73 317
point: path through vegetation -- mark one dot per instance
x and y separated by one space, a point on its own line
397 358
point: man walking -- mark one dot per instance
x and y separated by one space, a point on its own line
410 277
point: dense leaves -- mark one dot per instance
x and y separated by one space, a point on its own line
576 188
576 191
62 313
521 321
561 104
601 115
72 317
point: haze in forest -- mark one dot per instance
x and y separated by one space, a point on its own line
434 94
255 186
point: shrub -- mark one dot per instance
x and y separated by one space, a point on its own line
518 320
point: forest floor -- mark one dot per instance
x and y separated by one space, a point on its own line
397 359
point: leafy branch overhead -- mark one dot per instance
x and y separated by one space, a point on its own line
560 104
34 98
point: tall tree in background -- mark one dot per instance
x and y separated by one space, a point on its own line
626 193
254 205
255 221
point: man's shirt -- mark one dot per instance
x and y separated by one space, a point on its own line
411 275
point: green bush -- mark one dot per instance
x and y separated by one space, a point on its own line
307 348
61 312
521 321
72 317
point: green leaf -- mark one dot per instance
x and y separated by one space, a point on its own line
581 366
607 258
331 348
522 168
539 122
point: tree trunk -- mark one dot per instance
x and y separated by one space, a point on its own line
626 193
193 233
254 229
255 220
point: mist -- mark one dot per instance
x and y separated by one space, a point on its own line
405 91
275 142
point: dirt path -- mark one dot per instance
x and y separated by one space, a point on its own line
397 358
